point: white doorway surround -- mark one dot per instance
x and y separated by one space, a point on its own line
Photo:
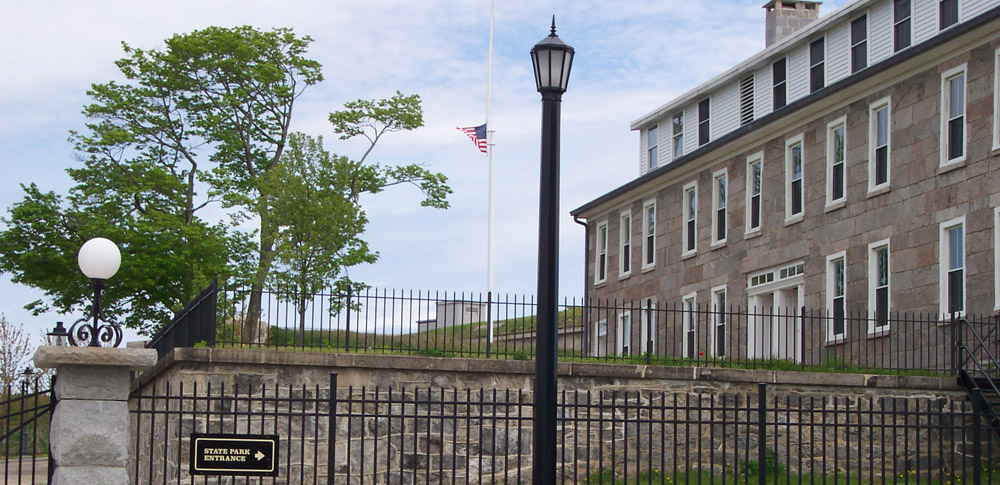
774 301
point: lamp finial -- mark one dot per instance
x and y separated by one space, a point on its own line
553 26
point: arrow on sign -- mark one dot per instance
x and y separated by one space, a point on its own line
259 456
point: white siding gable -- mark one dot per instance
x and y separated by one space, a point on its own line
838 49
925 21
880 31
798 72
762 96
725 114
663 142
690 128
971 8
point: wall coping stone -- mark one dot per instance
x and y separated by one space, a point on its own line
49 356
566 369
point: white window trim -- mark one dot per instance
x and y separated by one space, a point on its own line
789 143
698 128
598 280
624 255
943 250
620 333
868 41
996 99
752 159
718 243
652 164
831 337
832 203
945 100
872 286
873 189
715 318
996 258
647 333
685 252
648 265
685 322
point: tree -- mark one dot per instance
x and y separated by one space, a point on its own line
203 121
14 349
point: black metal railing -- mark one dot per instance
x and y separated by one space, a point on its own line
165 416
194 325
502 326
617 437
24 432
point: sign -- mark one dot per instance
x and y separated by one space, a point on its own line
234 454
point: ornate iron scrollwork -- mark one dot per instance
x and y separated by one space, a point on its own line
89 332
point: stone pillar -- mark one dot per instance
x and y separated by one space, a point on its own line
89 433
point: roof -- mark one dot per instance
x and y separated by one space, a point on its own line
985 18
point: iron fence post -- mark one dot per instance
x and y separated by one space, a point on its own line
331 430
489 322
761 430
347 333
977 445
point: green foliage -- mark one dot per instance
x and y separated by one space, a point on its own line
774 467
521 355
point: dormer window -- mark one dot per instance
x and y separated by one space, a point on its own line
817 69
651 152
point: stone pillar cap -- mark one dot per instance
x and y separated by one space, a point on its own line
49 356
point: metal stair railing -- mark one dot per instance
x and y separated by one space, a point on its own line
970 357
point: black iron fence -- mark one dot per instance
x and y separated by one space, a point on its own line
503 326
165 417
24 432
434 435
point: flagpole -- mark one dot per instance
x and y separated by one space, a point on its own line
489 232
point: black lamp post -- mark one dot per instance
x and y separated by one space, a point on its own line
99 259
552 59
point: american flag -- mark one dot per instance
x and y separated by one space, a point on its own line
477 134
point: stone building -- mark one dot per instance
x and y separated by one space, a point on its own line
851 167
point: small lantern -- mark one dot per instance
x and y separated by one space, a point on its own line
58 336
552 59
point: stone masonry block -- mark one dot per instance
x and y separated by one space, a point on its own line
85 433
79 475
93 383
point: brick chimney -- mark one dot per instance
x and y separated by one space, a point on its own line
784 17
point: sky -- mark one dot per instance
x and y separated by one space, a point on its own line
631 57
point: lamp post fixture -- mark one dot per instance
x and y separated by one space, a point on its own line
551 59
99 260
58 336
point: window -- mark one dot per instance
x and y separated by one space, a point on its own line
755 178
835 148
703 126
901 30
953 116
778 76
719 220
996 100
996 258
817 72
952 263
690 229
719 321
878 286
649 234
625 251
793 179
878 146
624 334
859 43
947 13
746 100
689 322
653 141
678 134
647 328
602 253
836 291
